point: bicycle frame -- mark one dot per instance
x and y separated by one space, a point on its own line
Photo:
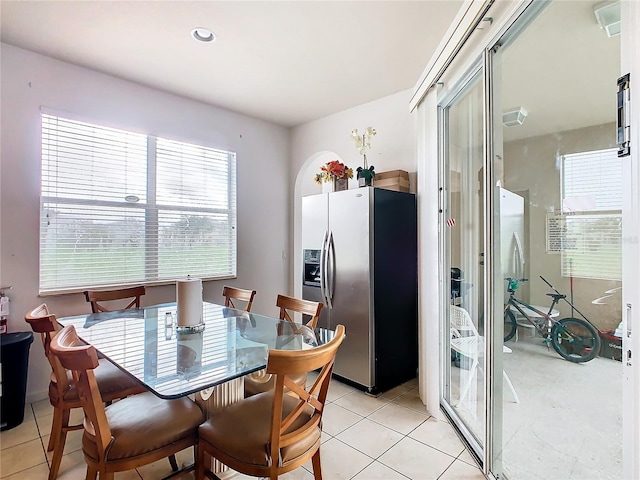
564 297
548 320
574 339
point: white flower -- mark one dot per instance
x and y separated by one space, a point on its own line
362 142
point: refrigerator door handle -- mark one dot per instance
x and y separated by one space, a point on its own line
520 256
323 267
331 269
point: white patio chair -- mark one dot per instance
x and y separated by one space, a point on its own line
466 340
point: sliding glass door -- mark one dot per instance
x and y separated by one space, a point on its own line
532 194
558 226
464 380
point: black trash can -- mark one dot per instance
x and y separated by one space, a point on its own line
14 355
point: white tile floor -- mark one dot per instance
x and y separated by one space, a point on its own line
389 437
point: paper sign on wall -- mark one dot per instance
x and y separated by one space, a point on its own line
556 231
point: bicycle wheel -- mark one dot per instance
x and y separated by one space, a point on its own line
575 340
510 325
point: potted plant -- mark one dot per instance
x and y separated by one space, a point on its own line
365 174
335 172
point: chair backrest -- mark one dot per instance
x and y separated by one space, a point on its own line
306 307
233 294
45 323
311 400
95 296
461 320
81 359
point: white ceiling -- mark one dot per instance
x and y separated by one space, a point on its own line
288 62
562 69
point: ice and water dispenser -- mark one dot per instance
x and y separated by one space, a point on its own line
311 268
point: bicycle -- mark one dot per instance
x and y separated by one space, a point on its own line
575 339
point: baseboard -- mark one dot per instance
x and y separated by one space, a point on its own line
37 396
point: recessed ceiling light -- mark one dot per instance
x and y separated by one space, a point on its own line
203 34
608 16
514 117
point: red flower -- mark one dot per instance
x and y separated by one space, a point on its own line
333 170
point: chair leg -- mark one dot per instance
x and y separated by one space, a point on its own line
317 467
56 428
467 386
173 462
92 472
200 459
58 449
513 390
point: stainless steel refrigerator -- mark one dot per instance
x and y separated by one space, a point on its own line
360 260
512 239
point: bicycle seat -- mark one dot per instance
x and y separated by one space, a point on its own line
557 296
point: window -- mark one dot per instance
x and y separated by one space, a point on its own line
120 208
592 207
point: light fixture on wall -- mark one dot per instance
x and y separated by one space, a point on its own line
514 117
608 16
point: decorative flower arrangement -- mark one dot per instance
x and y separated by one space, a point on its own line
333 170
365 174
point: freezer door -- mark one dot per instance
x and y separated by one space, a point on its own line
315 218
350 279
315 225
512 255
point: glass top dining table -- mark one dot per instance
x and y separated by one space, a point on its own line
172 362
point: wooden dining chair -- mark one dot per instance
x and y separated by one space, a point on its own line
95 296
112 383
232 295
309 309
131 432
260 381
274 432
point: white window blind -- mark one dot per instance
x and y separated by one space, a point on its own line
120 208
592 204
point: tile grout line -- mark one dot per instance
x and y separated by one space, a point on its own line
368 456
405 434
40 436
445 470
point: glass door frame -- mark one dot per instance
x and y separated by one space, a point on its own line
445 103
445 68
630 63
490 453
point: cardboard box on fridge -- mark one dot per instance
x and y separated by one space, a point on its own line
397 184
396 188
397 180
392 174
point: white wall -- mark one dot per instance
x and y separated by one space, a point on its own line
30 81
316 142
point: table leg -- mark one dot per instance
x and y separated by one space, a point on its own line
215 398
